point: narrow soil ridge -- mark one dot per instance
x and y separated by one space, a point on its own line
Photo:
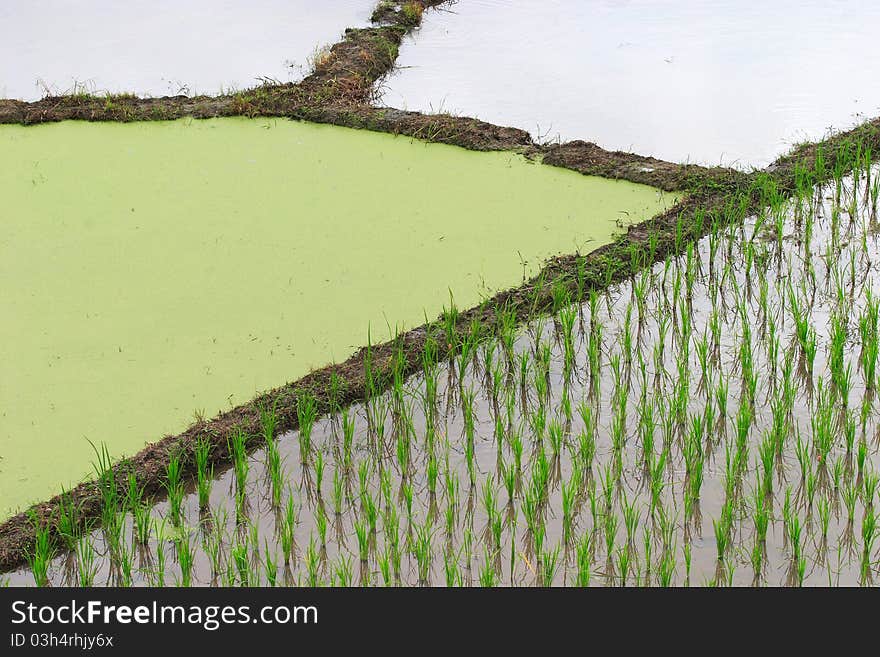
593 160
642 245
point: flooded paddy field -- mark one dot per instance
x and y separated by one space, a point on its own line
718 82
157 272
711 420
159 48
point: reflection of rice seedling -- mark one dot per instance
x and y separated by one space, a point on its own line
869 537
287 530
338 493
321 524
319 475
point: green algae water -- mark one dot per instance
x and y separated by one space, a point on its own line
154 271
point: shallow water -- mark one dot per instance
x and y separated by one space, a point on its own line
722 81
155 270
639 435
162 47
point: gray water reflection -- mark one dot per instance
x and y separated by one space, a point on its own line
732 81
163 47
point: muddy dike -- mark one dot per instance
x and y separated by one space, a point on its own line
372 368
344 75
593 160
294 102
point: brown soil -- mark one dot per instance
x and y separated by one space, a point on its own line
593 160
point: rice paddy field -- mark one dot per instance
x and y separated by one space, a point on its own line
177 269
717 82
710 421
246 350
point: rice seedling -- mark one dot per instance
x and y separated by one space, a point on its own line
423 551
39 556
319 476
869 537
174 488
204 471
306 412
451 570
186 558
408 500
68 520
158 572
623 564
270 567
86 562
111 518
488 576
321 524
363 541
142 521
237 445
313 565
870 483
450 523
584 561
686 551
610 533
666 569
347 443
549 566
384 561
